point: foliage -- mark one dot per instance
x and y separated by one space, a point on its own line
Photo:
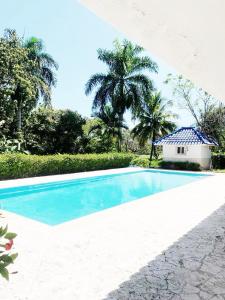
130 143
213 125
94 141
45 67
196 101
155 120
125 83
49 131
21 166
24 79
218 161
6 256
143 162
69 132
15 75
12 145
180 165
110 125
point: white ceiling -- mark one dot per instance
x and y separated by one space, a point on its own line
188 35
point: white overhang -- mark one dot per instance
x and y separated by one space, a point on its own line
188 35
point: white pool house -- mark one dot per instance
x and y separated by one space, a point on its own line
187 144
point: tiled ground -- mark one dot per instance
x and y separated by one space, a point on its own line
167 246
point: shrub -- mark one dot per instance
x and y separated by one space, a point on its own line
180 165
21 165
6 257
144 162
140 162
218 161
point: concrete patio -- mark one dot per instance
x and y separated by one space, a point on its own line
167 246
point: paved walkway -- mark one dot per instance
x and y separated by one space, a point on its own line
193 268
166 246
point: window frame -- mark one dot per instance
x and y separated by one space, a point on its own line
180 150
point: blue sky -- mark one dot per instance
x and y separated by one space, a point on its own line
72 35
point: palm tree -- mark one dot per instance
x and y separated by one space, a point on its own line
124 83
42 67
111 125
45 67
155 121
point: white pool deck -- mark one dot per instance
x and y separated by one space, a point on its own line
105 255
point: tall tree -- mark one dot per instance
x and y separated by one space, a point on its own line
95 141
125 83
27 75
208 113
45 67
16 79
212 123
194 100
111 125
154 121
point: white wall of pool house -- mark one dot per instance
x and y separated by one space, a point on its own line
198 153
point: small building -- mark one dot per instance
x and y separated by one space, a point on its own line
187 144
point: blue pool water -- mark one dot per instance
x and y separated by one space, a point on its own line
57 202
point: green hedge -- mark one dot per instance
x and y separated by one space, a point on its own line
218 161
22 165
180 165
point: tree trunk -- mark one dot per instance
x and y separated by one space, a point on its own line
120 134
151 154
118 145
152 150
19 117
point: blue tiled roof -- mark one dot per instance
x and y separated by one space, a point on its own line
186 136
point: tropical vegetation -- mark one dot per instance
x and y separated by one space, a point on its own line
125 83
154 121
29 124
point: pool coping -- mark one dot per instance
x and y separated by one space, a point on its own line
63 177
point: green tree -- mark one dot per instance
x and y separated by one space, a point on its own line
16 78
212 123
95 141
26 76
110 125
50 131
40 130
69 132
45 67
154 121
125 83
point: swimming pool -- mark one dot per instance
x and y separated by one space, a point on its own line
56 202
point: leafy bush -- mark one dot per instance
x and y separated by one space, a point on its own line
21 165
140 162
180 165
144 162
6 257
218 161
